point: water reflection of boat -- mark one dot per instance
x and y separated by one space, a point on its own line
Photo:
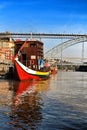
27 104
26 88
23 88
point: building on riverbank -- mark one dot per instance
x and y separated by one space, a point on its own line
6 50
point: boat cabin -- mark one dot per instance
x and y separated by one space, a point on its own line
31 54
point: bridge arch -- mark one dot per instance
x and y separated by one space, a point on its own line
60 47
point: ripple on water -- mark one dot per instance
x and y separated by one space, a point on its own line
59 103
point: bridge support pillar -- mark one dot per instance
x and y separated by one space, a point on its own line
82 60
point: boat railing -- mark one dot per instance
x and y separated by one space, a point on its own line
35 66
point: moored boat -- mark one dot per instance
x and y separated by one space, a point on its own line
53 69
28 59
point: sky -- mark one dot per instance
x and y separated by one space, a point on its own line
43 16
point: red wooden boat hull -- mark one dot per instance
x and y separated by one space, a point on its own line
24 73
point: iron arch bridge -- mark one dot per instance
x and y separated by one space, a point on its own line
72 40
60 47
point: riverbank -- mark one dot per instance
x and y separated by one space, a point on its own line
6 71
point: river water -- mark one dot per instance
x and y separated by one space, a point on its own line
59 103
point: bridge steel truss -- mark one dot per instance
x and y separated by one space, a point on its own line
40 35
